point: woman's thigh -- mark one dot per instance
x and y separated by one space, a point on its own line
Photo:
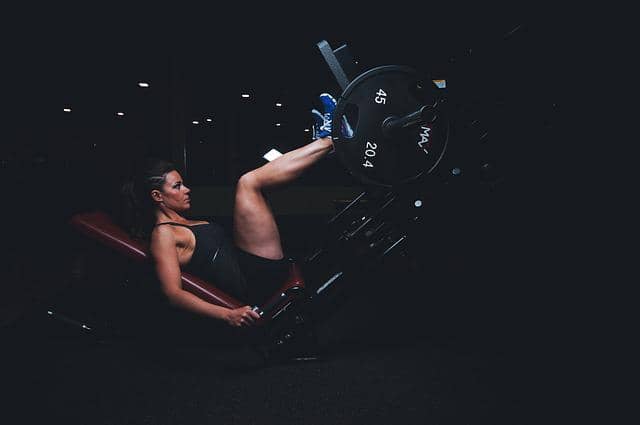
254 227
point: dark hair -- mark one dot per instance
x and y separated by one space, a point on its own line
137 206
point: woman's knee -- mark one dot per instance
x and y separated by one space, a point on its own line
249 181
249 191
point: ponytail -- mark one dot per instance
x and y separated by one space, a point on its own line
130 211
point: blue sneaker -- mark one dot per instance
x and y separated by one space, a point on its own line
323 121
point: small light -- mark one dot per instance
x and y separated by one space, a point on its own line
67 109
417 203
120 114
278 104
278 124
245 95
456 171
208 119
143 84
50 313
195 122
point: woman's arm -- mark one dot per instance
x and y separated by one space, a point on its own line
163 251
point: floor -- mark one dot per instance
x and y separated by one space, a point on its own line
73 378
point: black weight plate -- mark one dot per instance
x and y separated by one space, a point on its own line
388 159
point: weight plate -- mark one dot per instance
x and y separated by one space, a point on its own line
389 158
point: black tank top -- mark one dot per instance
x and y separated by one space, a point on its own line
214 259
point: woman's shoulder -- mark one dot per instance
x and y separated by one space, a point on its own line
162 241
161 233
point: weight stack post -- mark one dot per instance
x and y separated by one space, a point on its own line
340 63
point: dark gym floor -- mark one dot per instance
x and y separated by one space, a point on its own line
119 383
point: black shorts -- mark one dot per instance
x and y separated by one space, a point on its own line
263 276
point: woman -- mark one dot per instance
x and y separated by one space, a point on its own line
250 264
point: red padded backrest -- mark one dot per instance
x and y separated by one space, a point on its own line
99 226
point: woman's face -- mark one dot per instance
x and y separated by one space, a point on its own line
174 194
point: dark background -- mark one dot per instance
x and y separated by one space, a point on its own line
479 276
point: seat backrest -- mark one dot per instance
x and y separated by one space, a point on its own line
98 225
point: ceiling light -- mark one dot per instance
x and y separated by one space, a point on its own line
245 95
208 119
277 124
120 114
306 130
143 84
195 122
67 109
278 104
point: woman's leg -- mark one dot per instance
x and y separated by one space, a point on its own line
254 226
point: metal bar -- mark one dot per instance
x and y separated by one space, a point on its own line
393 246
68 320
334 64
329 282
346 60
352 203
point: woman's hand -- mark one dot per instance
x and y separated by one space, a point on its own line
242 317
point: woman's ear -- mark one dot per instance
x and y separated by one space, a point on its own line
156 195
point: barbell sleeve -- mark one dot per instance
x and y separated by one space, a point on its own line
424 114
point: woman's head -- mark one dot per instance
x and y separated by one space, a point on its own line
172 194
156 185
